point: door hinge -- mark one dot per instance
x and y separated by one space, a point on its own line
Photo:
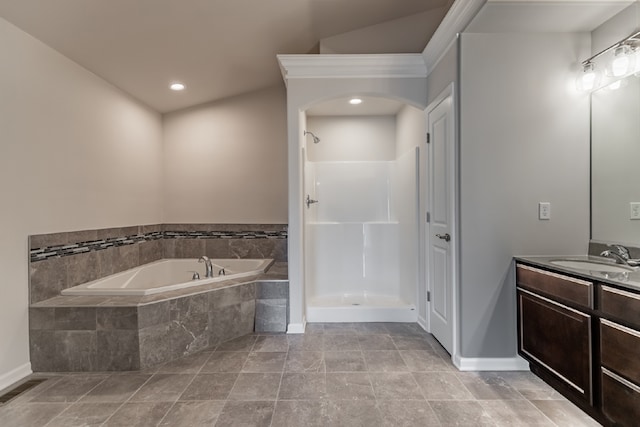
428 137
428 217
428 296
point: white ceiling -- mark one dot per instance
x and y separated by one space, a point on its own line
218 48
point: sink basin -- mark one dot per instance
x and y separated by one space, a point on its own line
592 266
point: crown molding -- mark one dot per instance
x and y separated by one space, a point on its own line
347 66
454 22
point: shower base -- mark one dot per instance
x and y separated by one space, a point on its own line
359 308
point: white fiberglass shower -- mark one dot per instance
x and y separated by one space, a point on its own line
316 294
361 190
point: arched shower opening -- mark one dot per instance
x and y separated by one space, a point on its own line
362 202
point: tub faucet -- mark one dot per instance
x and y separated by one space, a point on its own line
621 255
208 265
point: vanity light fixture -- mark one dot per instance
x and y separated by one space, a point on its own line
616 85
589 79
623 61
626 54
177 86
355 101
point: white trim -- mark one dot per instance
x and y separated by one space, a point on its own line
15 375
423 323
404 65
297 328
361 313
449 91
454 22
516 363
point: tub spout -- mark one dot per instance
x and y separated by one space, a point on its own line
208 265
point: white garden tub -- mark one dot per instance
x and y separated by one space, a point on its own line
169 275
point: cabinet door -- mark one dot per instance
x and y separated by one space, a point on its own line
558 339
620 350
620 400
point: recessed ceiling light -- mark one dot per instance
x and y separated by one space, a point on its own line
355 101
176 86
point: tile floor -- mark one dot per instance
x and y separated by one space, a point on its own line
365 374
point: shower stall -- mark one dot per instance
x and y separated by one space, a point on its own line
361 249
361 243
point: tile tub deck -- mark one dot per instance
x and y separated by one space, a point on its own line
122 333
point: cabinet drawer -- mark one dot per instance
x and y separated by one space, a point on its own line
621 304
558 338
620 400
561 286
620 350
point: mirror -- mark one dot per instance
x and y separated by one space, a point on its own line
615 163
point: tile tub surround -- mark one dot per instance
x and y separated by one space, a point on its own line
62 260
83 334
385 375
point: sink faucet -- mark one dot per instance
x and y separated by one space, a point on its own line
621 255
208 265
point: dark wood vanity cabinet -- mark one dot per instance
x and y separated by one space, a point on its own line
583 338
620 400
620 355
553 336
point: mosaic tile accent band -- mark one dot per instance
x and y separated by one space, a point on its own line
59 251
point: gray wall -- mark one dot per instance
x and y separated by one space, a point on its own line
444 73
226 161
616 28
524 139
76 153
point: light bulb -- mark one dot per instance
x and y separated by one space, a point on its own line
177 86
636 59
623 62
355 101
615 85
589 78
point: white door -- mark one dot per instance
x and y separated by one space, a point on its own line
440 230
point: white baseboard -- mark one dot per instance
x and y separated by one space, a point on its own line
360 313
297 328
516 363
15 375
422 322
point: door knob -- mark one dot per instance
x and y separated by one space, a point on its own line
310 201
446 237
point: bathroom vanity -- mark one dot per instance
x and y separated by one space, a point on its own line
579 328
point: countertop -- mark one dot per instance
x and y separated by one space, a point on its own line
630 280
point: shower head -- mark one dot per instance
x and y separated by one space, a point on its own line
315 138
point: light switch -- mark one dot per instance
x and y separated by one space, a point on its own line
544 210
635 210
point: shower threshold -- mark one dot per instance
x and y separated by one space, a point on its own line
359 308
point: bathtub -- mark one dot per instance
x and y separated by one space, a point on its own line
168 275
